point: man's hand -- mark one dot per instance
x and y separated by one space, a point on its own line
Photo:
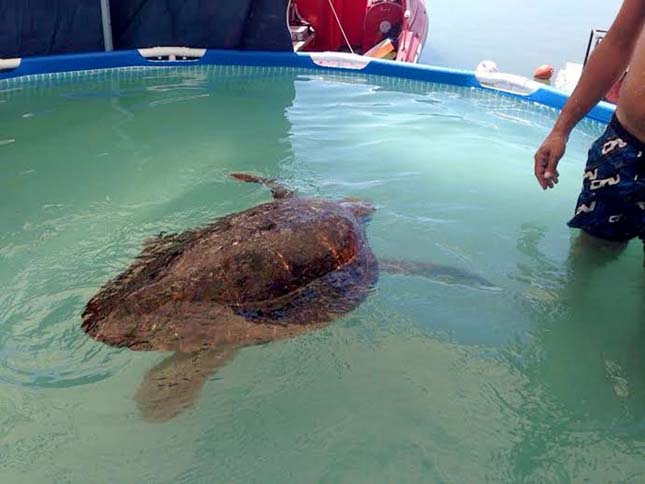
547 158
607 63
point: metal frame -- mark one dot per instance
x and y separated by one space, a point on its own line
597 35
106 20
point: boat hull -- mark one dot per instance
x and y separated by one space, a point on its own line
394 29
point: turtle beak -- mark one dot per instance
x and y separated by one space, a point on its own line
361 209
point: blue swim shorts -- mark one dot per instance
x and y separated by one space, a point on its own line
612 202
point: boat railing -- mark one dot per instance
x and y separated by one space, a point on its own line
595 38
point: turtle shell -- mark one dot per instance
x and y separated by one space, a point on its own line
267 273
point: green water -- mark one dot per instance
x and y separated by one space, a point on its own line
543 381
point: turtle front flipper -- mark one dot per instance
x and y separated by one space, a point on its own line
439 273
174 384
278 190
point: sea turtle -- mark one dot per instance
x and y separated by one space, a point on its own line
271 272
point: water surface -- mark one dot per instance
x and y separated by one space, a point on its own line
543 381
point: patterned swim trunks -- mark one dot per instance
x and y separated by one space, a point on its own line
612 202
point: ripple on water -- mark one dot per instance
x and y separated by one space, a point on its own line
44 347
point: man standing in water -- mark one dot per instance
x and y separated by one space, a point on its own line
611 206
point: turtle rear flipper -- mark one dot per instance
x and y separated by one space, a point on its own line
439 273
278 190
174 384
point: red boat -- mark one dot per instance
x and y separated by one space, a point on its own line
388 29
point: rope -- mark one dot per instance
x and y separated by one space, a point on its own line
333 9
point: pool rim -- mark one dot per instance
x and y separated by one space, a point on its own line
508 85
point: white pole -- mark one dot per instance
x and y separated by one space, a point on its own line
107 25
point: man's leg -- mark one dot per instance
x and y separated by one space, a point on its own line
588 254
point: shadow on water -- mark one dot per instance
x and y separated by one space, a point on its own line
584 364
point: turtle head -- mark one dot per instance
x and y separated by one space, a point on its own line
361 209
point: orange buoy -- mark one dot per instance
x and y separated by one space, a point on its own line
544 72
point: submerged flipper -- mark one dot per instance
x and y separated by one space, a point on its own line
174 384
278 190
440 273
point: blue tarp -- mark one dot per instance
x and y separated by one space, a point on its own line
46 27
220 24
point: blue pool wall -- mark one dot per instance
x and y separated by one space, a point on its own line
131 58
